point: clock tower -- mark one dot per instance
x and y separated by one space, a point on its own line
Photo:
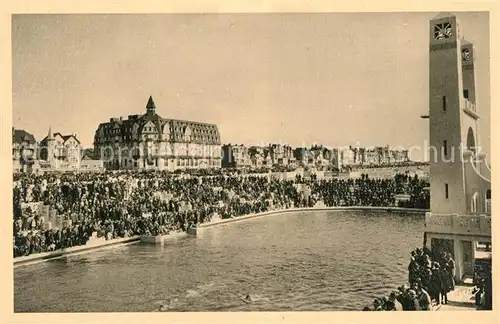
452 114
460 188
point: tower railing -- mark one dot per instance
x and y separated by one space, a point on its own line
469 105
458 224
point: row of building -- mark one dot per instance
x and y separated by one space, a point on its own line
149 141
314 156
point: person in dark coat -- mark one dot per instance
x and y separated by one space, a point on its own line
413 304
444 280
425 280
450 271
392 303
435 283
413 269
424 299
403 298
448 276
377 305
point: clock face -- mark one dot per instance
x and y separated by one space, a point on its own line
443 31
466 54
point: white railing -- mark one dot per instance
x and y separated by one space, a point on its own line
469 105
458 224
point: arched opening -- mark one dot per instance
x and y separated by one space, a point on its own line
471 141
166 131
473 203
187 133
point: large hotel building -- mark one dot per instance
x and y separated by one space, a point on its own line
149 141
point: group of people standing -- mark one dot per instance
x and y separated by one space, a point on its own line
436 276
429 280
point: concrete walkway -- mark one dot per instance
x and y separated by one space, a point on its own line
461 299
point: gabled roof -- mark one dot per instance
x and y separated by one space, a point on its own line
64 137
67 137
20 136
88 156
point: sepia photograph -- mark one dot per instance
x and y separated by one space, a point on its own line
251 162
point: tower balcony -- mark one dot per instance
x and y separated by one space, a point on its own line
469 108
478 225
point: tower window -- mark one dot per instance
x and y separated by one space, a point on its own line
445 147
466 93
444 103
446 193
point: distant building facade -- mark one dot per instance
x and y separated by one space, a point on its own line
302 155
281 154
90 162
24 150
259 157
343 157
320 156
149 141
60 152
371 157
347 157
235 156
399 156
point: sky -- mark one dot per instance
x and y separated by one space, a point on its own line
335 79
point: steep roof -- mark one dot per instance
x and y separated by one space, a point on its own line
151 103
64 137
67 137
200 132
89 156
20 136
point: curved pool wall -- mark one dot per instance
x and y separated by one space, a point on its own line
315 209
46 256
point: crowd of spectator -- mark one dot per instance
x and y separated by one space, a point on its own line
385 165
127 203
123 204
372 192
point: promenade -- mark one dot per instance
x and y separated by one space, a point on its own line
461 299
